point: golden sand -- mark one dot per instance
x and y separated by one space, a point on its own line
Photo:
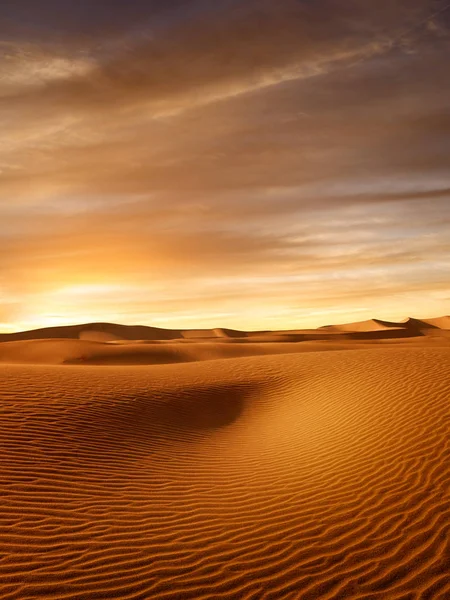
309 475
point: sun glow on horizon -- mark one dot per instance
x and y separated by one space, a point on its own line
247 318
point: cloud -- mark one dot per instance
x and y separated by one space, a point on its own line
178 141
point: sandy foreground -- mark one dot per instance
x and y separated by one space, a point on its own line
237 468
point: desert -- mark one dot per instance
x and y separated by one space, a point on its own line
202 465
224 300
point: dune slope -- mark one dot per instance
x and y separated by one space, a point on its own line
88 352
364 326
303 476
436 322
103 332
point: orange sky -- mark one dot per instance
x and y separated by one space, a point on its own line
250 164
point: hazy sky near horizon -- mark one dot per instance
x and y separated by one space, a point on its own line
242 163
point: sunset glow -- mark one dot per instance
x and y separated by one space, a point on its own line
250 164
225 299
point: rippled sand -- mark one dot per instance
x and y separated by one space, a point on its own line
304 476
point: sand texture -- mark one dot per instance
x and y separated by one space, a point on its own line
310 475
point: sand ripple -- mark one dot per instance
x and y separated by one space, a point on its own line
309 476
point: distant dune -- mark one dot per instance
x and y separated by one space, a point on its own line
313 476
115 331
437 323
365 326
112 330
218 332
111 343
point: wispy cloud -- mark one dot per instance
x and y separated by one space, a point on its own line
172 141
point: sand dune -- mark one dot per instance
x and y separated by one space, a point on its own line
125 352
92 335
107 332
414 326
61 351
309 476
437 322
366 326
112 330
116 331
218 332
113 344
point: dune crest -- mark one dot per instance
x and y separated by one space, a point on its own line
113 344
436 322
112 331
365 326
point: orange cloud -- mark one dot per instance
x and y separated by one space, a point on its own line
305 144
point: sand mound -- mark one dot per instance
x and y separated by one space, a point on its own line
306 477
125 352
221 332
218 332
116 331
418 324
364 326
87 352
438 322
98 336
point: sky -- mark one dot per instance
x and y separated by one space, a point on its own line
255 164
